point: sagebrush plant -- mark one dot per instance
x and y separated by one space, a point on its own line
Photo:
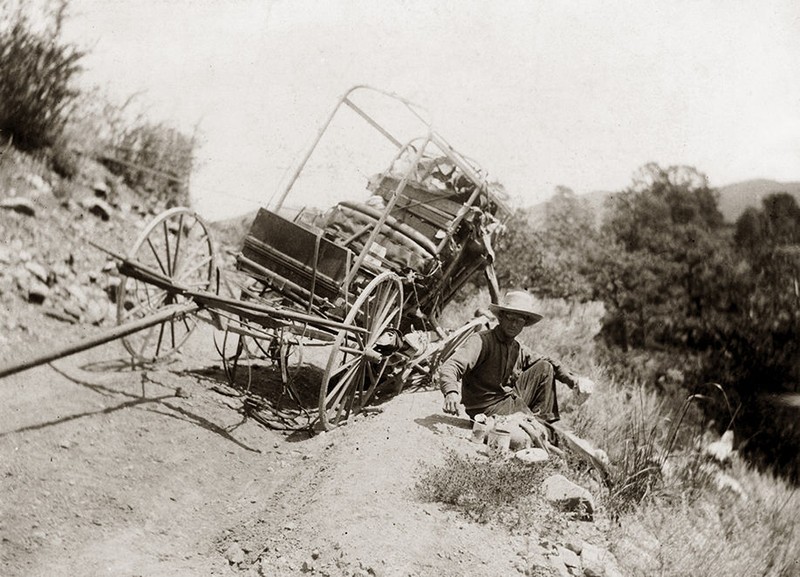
486 490
38 71
156 158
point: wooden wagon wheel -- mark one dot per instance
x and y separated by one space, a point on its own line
357 362
178 245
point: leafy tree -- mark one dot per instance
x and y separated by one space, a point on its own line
550 259
674 277
776 223
765 329
662 247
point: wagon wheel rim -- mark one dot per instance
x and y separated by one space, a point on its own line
352 373
177 243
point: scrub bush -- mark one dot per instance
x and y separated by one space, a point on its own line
486 490
155 158
37 80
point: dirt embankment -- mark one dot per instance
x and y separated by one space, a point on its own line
109 470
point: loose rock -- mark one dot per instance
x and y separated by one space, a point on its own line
20 205
5 255
96 312
532 456
568 496
38 183
77 293
597 562
97 207
37 292
100 188
234 554
37 270
569 558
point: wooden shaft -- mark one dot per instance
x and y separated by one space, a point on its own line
103 337
252 310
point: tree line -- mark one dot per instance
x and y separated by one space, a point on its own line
707 302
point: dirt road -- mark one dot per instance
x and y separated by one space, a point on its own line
111 471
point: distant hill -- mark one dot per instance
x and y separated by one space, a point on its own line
735 198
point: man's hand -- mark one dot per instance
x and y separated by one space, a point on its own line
451 402
584 387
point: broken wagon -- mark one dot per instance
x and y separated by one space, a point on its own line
364 278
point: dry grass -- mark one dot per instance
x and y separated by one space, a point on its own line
716 535
38 72
668 525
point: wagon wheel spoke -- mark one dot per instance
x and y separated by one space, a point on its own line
341 380
374 381
167 250
148 337
184 274
378 305
344 367
158 258
178 244
148 306
356 385
179 235
354 368
342 387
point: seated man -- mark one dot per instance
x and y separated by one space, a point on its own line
497 375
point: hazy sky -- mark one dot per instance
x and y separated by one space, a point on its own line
541 93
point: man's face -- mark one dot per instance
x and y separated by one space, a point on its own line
511 324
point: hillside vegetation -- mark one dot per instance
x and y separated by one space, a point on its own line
693 305
45 112
688 324
677 511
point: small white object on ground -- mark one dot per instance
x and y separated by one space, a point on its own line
531 456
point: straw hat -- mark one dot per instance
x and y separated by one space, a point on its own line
518 302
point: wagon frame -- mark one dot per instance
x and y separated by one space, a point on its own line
366 280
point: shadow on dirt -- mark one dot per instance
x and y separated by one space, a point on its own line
433 422
188 416
111 387
106 411
288 405
301 391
